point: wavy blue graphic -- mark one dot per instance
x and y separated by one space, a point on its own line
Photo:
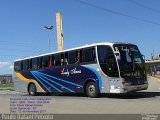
51 80
40 82
60 79
47 82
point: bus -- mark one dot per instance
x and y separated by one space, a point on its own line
108 67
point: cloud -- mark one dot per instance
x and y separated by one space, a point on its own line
11 67
4 63
6 67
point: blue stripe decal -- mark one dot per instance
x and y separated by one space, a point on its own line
97 74
60 79
40 82
47 82
51 80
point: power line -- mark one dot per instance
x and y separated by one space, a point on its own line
11 55
14 44
143 6
117 13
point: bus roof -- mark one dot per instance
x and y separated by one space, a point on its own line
76 48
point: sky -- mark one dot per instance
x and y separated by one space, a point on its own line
84 22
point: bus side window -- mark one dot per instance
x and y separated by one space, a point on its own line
66 58
21 65
57 58
50 62
34 63
45 61
25 64
72 57
79 56
62 59
107 61
93 55
30 64
53 60
17 66
89 55
39 66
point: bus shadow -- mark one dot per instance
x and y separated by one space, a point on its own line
132 95
62 94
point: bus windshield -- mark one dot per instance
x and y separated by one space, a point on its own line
130 61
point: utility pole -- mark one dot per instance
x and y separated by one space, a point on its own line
60 37
153 53
48 28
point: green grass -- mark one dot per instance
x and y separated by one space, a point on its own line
9 86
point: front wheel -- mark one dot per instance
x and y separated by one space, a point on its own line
32 89
92 90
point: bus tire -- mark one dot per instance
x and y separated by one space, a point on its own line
32 89
92 90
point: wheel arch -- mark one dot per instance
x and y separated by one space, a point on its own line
88 81
29 85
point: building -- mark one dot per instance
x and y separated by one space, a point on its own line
7 78
153 67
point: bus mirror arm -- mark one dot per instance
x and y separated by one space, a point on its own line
117 53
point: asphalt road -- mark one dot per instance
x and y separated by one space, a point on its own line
147 101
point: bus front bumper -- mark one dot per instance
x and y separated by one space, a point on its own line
126 89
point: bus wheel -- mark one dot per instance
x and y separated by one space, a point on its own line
92 90
32 89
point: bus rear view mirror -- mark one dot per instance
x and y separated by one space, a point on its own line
143 56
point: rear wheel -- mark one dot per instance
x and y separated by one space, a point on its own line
32 89
92 90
